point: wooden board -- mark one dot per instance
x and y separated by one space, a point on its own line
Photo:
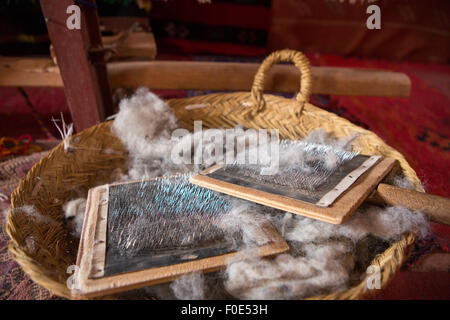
119 24
135 46
336 213
40 72
92 251
239 77
29 72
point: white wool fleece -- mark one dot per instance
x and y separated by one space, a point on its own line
142 121
74 211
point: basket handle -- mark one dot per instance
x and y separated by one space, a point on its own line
286 55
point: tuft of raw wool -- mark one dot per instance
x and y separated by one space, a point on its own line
143 122
320 136
160 291
74 211
66 131
31 244
245 219
33 213
402 182
288 276
322 256
201 144
328 150
146 125
386 224
189 287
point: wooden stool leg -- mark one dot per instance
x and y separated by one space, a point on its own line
86 83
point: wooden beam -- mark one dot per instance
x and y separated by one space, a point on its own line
118 24
216 76
133 46
137 46
29 72
239 77
86 84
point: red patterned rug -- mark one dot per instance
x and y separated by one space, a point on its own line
14 283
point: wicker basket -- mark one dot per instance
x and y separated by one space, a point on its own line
44 248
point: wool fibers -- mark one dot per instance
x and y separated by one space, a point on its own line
323 255
74 214
33 213
144 125
189 287
148 129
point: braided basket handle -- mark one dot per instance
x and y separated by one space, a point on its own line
287 55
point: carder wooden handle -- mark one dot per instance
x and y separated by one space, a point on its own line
438 208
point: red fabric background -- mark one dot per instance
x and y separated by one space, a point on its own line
410 29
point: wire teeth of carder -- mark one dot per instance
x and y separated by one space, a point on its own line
164 213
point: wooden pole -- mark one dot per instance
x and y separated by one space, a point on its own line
215 76
85 80
239 77
438 208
